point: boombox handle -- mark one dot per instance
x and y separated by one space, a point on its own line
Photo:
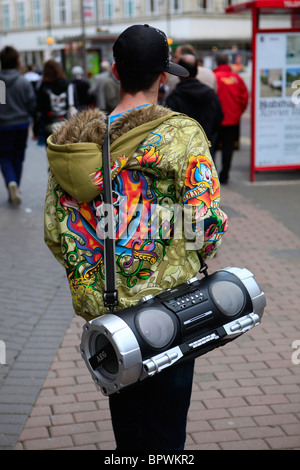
110 295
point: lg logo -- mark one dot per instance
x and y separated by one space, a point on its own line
2 353
296 354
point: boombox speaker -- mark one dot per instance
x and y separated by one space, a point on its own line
124 347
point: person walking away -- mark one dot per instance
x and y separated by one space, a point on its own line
52 100
15 117
197 100
206 75
98 87
158 158
112 93
81 88
233 94
32 76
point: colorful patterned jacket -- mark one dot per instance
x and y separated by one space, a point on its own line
165 186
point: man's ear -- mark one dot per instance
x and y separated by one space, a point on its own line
114 71
163 78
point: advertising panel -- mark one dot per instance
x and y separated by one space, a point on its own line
277 100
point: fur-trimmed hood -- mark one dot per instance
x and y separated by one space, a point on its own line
75 149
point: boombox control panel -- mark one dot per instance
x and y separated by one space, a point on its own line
185 301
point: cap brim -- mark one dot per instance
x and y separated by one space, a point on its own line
177 70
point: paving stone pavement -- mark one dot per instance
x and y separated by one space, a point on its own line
245 395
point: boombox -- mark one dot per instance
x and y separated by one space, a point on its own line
130 345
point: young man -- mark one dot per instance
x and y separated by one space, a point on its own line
159 159
15 117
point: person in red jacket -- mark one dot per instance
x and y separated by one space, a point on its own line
233 95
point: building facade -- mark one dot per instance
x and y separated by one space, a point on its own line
40 29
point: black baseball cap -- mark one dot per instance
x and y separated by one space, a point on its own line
143 48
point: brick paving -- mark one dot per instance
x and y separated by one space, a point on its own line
245 395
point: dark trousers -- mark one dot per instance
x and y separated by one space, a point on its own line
152 415
227 139
12 152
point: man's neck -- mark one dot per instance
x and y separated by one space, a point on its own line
128 101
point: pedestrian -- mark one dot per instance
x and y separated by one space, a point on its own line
159 158
32 76
197 100
233 94
206 75
15 117
82 88
98 87
35 79
111 93
52 100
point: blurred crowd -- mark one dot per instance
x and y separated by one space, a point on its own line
39 98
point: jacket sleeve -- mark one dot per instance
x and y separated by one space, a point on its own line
30 98
51 225
204 221
243 95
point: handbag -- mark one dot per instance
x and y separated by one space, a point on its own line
126 346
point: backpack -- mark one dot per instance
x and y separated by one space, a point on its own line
62 107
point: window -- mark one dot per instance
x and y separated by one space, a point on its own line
21 18
129 8
62 12
6 17
207 5
152 7
108 9
230 2
175 6
89 10
37 13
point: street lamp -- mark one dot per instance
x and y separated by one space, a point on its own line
50 40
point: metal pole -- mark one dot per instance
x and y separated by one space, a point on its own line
168 32
255 25
49 27
49 19
84 65
97 14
